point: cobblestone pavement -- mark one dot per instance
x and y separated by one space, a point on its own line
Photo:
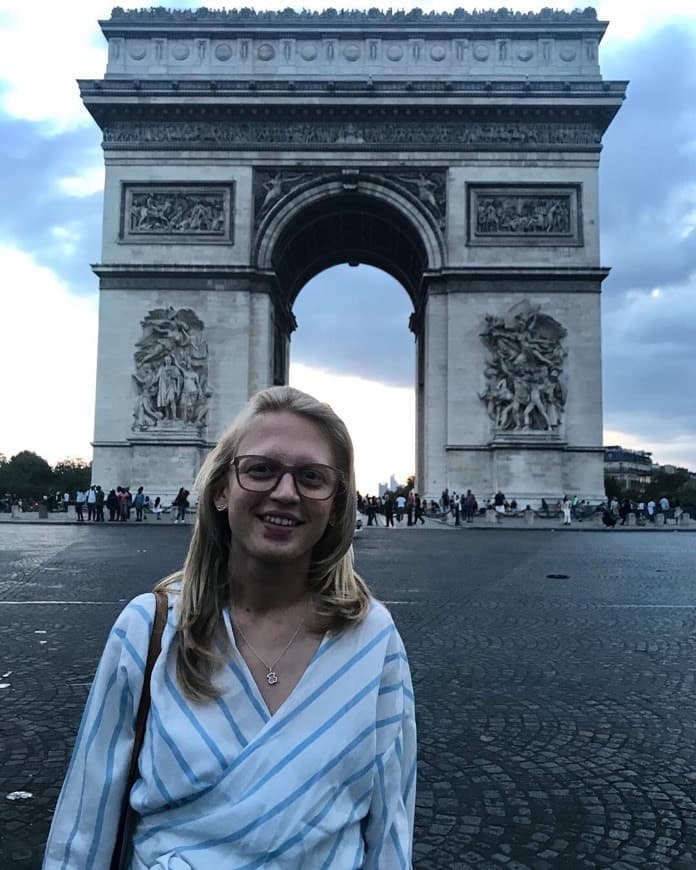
554 677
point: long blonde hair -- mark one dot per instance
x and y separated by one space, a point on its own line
341 595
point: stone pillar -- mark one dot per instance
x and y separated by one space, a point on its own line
435 395
163 455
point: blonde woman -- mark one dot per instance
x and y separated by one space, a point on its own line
281 731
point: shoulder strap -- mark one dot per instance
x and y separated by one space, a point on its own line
121 847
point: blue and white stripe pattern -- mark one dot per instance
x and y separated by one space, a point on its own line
328 781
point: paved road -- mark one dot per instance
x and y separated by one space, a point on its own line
557 714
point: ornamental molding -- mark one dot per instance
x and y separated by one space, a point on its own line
341 55
180 213
358 134
276 186
546 215
242 42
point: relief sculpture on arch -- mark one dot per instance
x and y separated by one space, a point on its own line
171 372
525 378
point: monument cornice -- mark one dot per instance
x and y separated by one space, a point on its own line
517 273
170 89
510 126
170 270
458 45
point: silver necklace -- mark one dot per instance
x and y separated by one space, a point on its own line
271 676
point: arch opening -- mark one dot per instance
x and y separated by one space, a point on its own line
352 348
348 228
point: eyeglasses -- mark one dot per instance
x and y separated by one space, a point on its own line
262 474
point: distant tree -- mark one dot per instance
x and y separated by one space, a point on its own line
406 488
686 494
27 475
71 474
612 488
3 475
667 483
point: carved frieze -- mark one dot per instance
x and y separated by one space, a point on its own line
171 372
362 134
275 185
524 215
188 214
525 381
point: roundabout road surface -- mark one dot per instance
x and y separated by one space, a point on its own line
556 715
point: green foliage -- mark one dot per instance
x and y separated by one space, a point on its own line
406 488
678 485
28 475
612 488
686 494
72 474
666 483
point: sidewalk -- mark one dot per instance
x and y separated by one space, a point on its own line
59 518
518 523
540 524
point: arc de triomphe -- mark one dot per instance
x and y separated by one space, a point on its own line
246 152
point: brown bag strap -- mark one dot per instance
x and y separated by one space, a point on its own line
153 651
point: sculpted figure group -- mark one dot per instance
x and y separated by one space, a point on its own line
523 215
171 370
524 385
176 213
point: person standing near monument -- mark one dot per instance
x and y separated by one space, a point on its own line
122 496
650 508
91 500
139 504
664 508
79 505
419 508
400 507
389 510
99 504
565 507
281 731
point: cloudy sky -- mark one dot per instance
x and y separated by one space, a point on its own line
352 342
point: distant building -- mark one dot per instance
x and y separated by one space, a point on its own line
631 469
669 469
392 486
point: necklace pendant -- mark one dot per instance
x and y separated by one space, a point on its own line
271 678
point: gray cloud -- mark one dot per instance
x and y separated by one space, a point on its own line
648 169
32 163
648 213
355 321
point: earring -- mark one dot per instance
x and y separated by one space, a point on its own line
221 507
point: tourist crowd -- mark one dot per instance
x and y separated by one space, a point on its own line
95 505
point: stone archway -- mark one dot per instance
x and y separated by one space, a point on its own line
245 152
317 221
